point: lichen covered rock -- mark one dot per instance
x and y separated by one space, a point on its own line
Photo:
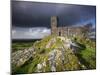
51 54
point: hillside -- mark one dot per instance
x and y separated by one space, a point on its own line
55 53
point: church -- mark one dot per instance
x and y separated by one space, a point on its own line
68 30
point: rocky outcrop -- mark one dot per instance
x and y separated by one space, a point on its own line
53 55
41 67
52 60
21 56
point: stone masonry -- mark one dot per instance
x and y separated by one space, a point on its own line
67 30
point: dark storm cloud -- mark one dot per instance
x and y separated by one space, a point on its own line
33 14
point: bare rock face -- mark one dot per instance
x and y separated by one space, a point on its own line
61 59
52 60
39 67
21 56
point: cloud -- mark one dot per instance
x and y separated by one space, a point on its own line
30 33
35 14
13 32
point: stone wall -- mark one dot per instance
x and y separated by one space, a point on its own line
67 31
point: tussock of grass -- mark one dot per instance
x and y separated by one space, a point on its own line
87 55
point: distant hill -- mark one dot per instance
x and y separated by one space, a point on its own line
24 40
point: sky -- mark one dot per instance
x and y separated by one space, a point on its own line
31 20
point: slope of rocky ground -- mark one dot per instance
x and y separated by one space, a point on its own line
53 53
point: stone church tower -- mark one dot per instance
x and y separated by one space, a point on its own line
55 30
54 25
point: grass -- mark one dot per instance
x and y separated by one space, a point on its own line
31 65
86 55
21 45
